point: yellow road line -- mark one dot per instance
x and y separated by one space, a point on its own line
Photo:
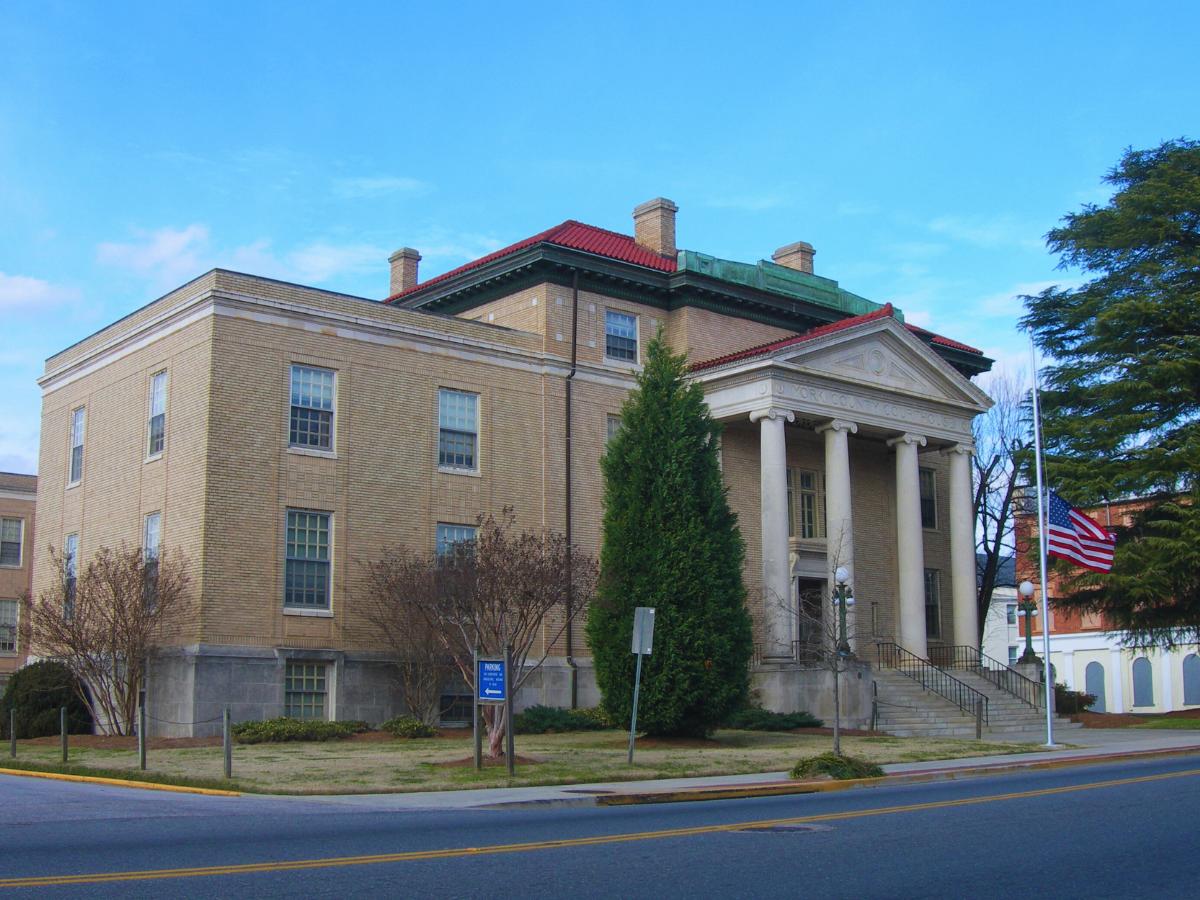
459 852
121 782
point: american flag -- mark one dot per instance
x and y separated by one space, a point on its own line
1073 536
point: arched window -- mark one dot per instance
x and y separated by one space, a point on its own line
1093 683
1191 680
1143 682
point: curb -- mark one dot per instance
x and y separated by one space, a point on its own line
121 782
785 788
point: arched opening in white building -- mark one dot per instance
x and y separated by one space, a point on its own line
1191 680
1093 683
1143 682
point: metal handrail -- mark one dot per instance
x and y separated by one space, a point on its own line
1004 677
933 679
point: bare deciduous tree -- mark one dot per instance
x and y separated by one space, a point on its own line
420 658
502 588
1003 437
105 622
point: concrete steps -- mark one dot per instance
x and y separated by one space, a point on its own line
907 710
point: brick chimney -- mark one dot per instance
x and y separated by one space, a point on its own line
654 225
404 269
798 256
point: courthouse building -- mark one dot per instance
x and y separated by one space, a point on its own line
280 436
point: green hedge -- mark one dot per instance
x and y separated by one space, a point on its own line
277 731
37 692
753 718
1067 701
407 727
554 720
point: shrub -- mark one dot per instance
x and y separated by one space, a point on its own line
553 720
597 715
277 731
836 767
754 718
1067 702
37 692
407 727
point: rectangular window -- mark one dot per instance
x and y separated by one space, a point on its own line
306 579
458 429
12 533
1010 614
928 498
312 408
70 571
305 690
620 336
450 536
151 530
158 414
1012 654
933 603
8 626
613 425
456 709
77 425
806 504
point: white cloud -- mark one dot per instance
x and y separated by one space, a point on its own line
168 256
314 263
380 185
920 317
20 292
1008 303
995 232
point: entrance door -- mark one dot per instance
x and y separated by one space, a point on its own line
811 633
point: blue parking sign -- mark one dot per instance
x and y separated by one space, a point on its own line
491 681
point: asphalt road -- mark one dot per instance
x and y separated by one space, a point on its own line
1115 830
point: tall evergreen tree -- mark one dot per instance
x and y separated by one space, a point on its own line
1122 397
672 543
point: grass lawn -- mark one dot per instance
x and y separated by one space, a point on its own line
377 763
1170 722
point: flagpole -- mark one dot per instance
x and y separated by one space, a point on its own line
1041 495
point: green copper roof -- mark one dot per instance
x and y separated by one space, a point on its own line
769 276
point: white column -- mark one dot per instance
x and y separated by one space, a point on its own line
839 527
1067 675
1116 668
777 580
1166 698
962 547
910 550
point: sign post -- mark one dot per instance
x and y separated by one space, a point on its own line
491 688
643 643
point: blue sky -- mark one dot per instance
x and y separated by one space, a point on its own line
924 149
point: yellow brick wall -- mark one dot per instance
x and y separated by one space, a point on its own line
703 334
120 485
15 580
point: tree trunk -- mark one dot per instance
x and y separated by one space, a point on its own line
497 728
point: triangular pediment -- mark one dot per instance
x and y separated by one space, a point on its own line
884 354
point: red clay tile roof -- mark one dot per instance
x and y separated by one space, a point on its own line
572 234
749 353
942 341
886 311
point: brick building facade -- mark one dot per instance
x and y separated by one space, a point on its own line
17 496
279 435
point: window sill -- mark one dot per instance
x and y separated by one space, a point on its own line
11 566
155 458
315 613
71 485
625 365
450 470
308 451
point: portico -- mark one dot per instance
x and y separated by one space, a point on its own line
865 388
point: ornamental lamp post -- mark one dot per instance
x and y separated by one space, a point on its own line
1029 608
842 599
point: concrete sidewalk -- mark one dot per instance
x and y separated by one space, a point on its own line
1090 744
